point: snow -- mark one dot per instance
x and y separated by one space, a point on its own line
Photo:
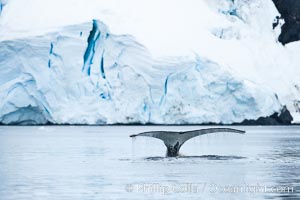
165 62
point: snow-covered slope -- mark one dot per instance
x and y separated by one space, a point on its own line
222 67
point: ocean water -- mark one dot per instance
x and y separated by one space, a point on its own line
103 162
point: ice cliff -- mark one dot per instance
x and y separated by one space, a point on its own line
235 70
2 4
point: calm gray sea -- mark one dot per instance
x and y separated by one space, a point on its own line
103 162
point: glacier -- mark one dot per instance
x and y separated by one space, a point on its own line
2 4
84 73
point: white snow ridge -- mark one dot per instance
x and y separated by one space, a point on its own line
222 64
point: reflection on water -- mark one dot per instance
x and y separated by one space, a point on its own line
206 157
104 163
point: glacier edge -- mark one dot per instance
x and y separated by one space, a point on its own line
120 82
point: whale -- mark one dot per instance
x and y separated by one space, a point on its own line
173 140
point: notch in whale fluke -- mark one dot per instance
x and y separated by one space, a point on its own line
174 140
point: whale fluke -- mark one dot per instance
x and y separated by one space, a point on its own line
174 140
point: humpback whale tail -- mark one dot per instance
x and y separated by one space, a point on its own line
174 140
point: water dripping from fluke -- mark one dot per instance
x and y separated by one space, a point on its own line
174 140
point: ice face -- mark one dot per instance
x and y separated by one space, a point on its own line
86 74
